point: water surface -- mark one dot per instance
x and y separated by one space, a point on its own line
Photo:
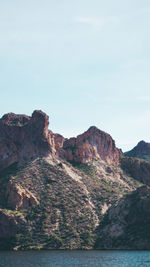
75 258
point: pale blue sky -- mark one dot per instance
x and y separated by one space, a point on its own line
83 62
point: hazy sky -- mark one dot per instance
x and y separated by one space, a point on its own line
83 62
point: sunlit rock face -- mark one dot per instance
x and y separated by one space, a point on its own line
19 198
92 145
24 138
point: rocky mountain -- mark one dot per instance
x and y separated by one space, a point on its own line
126 225
58 193
141 150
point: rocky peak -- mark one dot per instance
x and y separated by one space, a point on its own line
141 143
93 129
91 145
12 119
23 138
141 150
39 115
40 121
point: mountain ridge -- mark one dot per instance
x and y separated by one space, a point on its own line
29 137
141 150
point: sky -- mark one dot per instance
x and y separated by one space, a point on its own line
83 62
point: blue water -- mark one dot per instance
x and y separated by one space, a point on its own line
75 258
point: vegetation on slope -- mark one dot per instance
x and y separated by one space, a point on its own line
126 225
72 200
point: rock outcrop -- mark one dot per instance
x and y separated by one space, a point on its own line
94 144
22 137
19 198
56 142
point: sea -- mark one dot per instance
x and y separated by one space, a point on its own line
93 258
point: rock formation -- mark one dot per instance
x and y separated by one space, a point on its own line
23 138
94 144
19 198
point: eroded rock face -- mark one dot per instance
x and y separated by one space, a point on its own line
92 145
23 138
19 198
56 142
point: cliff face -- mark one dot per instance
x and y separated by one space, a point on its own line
94 144
142 150
22 137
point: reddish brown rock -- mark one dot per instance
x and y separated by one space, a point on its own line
59 141
56 142
23 138
19 198
92 145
